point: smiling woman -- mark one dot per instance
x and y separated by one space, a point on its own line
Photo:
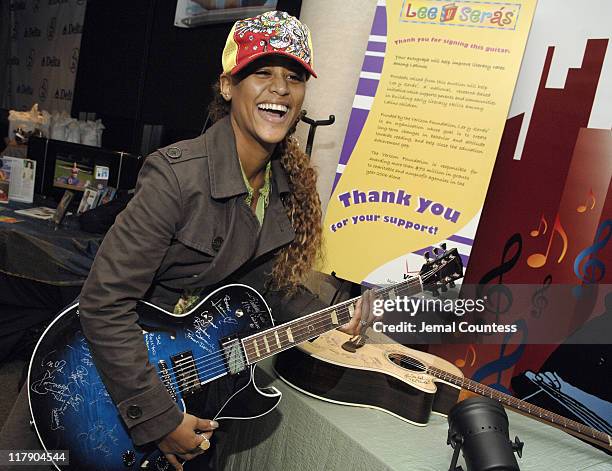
262 89
236 205
266 99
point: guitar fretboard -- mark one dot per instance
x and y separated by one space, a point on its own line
272 341
521 406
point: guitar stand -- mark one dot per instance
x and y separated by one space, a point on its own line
456 442
313 128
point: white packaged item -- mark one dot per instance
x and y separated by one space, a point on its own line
73 133
88 133
59 126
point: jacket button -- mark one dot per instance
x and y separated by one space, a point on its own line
174 152
216 243
134 412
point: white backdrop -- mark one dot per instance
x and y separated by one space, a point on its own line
340 32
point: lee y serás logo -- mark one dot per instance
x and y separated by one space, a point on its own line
471 14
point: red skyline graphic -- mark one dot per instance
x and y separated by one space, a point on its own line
556 196
522 191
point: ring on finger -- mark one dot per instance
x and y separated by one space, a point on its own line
204 444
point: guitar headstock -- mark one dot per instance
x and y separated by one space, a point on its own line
441 270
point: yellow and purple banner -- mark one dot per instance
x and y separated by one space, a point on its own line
427 118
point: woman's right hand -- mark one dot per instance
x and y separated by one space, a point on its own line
184 441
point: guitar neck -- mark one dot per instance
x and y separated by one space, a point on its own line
264 344
522 407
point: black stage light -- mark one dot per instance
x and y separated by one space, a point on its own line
479 426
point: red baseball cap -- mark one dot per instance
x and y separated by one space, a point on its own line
273 32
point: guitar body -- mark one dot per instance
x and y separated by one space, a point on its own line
388 377
72 410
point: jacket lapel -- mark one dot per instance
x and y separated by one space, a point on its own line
276 230
226 181
223 166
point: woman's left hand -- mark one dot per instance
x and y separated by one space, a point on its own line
362 317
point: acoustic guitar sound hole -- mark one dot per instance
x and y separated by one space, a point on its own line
405 362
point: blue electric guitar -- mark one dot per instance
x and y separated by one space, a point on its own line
222 338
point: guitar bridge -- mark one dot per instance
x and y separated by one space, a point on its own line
186 373
233 355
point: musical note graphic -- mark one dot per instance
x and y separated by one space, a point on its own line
536 232
583 207
593 269
538 299
504 362
538 260
461 362
499 297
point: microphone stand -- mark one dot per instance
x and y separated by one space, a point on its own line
313 128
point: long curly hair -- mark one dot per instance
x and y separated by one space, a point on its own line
303 207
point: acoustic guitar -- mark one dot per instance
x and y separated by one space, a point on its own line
400 381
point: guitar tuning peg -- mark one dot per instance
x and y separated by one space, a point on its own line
452 284
427 257
443 288
435 292
443 246
447 282
436 250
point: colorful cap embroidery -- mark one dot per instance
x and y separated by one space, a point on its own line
273 32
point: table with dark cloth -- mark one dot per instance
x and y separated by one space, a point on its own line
42 269
38 250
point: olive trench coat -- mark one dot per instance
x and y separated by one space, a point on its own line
187 227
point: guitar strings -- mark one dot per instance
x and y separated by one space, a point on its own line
212 367
322 321
416 281
218 366
200 361
193 380
324 318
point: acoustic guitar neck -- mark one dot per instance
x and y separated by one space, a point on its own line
524 408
